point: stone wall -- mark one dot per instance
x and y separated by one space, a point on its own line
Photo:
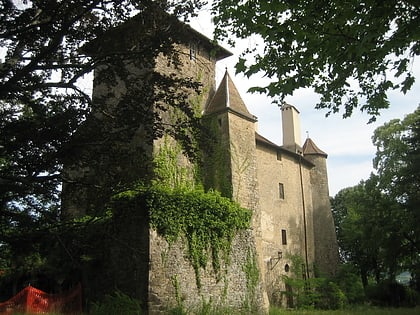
282 218
245 182
172 280
326 247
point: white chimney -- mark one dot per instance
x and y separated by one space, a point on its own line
291 128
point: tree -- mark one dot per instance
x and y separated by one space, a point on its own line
42 104
397 162
346 50
378 220
367 231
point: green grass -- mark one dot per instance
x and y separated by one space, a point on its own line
353 311
278 311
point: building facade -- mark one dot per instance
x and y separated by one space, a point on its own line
285 186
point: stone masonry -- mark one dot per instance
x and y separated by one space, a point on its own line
286 187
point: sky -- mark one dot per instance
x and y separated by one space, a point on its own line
348 142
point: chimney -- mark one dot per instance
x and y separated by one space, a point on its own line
291 128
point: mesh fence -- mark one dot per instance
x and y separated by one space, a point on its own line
34 301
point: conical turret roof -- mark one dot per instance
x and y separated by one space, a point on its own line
227 97
310 148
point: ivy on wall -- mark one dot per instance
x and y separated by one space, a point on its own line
252 280
206 220
217 168
169 168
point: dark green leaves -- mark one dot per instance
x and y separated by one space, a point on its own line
343 49
378 220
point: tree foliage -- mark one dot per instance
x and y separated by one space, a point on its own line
367 232
397 161
397 157
43 105
348 51
378 220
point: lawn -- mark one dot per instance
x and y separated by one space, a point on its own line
353 311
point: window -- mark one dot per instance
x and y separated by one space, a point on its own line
278 155
193 51
283 237
281 191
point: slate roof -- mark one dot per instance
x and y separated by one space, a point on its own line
310 148
227 97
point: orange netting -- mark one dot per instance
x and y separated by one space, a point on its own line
33 301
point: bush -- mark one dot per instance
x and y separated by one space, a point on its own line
330 296
412 297
117 304
387 293
348 280
321 293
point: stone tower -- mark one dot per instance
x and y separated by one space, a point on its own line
237 129
116 143
155 272
326 247
232 167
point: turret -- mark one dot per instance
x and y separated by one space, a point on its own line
326 248
231 164
234 130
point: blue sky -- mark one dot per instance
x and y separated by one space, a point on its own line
347 141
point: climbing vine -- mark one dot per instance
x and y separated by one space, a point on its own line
171 167
206 220
217 160
252 279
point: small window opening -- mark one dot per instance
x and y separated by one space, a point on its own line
193 51
278 156
283 237
281 191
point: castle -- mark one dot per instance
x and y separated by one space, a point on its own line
285 186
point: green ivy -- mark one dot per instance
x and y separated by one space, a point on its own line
252 279
206 220
217 158
168 170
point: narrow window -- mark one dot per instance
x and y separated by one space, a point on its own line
193 51
283 237
278 155
281 191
